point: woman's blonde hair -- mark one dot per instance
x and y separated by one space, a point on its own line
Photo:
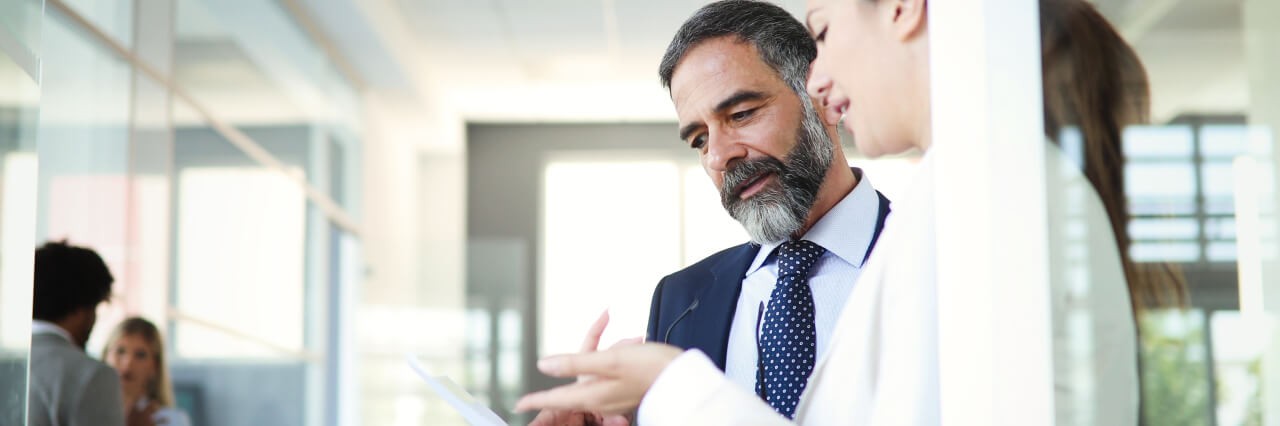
160 389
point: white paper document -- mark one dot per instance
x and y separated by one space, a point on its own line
473 411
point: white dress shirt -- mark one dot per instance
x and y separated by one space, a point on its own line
845 231
882 368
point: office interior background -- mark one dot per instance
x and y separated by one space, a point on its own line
303 192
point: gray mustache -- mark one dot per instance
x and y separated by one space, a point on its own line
743 171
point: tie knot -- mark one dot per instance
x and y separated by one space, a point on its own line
797 257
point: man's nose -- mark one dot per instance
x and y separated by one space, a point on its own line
723 149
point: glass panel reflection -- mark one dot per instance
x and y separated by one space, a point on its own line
1238 343
19 107
113 17
252 219
84 155
250 66
1158 142
20 22
1201 188
1175 376
242 299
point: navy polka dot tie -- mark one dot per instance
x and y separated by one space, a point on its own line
788 342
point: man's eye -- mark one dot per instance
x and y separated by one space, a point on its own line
742 115
698 142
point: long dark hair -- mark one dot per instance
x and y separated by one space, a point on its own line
1094 81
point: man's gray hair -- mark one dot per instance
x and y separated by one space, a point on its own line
781 40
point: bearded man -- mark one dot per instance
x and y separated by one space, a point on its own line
764 311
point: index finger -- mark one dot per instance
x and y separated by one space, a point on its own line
592 341
583 364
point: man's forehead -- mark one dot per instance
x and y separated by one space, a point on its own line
718 68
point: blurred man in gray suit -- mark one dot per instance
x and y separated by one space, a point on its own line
68 388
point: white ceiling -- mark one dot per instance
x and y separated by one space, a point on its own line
522 60
541 40
596 60
1193 51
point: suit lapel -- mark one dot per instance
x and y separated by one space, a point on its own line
881 215
719 301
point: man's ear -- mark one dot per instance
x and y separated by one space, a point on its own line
910 18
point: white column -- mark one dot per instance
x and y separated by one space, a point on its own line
1260 266
991 213
414 200
146 274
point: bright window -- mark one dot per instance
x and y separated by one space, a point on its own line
240 263
610 232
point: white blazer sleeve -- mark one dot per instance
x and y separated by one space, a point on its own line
882 366
692 391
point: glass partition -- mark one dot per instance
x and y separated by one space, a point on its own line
84 152
248 65
252 273
19 121
21 22
1200 184
202 189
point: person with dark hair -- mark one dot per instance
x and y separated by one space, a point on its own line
67 387
882 368
762 311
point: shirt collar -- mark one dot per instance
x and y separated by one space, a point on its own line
845 231
45 327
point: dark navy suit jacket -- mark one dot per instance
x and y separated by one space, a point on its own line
694 307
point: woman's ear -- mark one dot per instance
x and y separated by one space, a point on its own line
910 18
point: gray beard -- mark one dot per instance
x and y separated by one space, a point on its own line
779 211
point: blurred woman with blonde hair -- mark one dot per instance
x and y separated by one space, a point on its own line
136 351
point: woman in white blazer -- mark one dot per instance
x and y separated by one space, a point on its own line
881 368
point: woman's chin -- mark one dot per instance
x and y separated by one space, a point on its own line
869 149
132 389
